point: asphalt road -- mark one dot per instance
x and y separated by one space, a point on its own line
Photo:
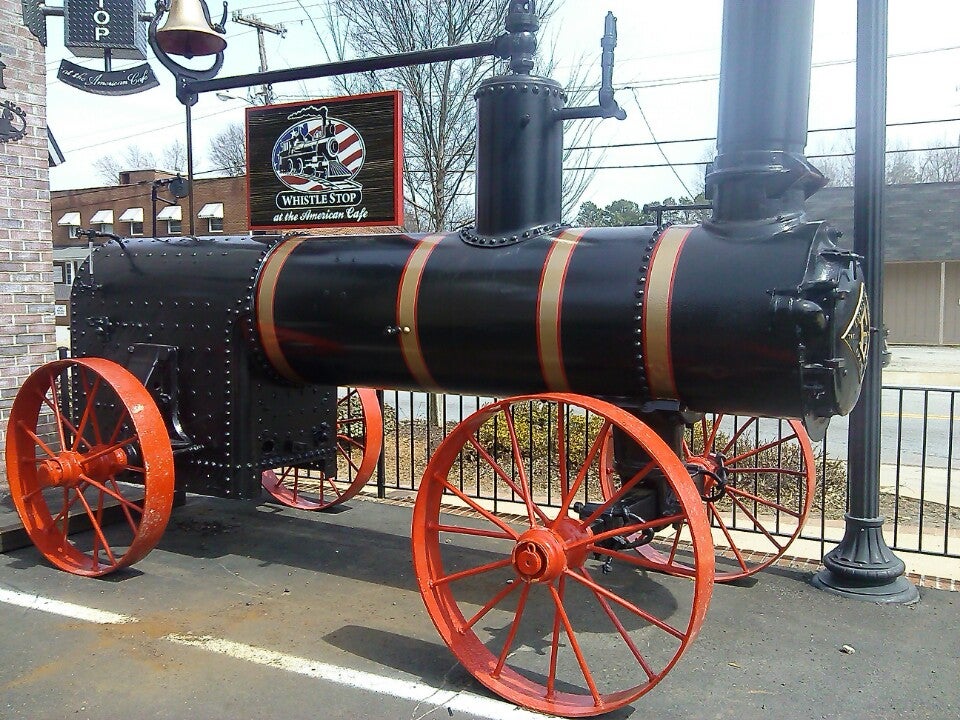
290 595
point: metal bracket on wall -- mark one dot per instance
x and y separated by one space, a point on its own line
35 18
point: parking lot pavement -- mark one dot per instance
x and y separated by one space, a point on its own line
249 610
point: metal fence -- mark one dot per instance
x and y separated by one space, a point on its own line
917 475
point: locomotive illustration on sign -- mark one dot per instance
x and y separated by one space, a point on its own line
319 153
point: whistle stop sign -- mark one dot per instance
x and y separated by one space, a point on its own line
92 26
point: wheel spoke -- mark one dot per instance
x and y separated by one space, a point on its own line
116 495
37 440
584 469
625 530
621 493
757 524
98 531
518 461
762 501
88 411
759 449
498 469
574 643
708 444
555 642
55 406
125 509
109 449
726 532
620 628
562 453
655 621
483 511
479 532
492 603
508 642
471 572
91 392
732 442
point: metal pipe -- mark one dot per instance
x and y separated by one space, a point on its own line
344 67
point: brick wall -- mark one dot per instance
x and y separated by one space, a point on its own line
26 273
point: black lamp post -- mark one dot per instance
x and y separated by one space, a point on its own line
862 566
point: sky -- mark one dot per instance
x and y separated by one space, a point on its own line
668 56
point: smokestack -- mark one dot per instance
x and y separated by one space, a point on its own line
761 173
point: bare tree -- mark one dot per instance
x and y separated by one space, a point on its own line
439 113
133 157
941 164
228 151
174 157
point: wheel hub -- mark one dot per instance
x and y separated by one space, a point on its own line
69 467
542 554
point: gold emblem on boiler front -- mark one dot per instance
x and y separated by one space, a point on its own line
857 335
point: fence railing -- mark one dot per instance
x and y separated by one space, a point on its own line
919 466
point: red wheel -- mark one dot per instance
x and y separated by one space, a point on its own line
84 434
359 440
525 604
756 476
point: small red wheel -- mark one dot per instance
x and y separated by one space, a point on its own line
359 441
84 434
750 483
529 609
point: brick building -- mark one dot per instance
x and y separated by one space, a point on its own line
26 281
126 209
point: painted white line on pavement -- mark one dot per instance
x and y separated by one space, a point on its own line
57 607
464 702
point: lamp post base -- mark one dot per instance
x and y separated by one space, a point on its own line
862 567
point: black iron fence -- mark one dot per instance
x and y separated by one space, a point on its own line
918 466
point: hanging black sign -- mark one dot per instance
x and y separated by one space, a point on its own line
13 122
92 26
326 163
116 82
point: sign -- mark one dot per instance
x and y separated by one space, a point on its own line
93 26
326 163
116 82
13 122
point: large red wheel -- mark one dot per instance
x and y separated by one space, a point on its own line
526 604
84 435
757 475
359 441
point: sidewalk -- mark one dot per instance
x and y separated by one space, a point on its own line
923 366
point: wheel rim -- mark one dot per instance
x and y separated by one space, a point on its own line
770 485
84 434
535 620
359 441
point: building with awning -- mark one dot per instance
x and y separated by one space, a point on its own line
134 217
219 207
213 214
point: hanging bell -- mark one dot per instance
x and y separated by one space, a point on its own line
188 30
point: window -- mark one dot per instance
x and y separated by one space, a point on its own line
213 214
133 216
104 228
173 215
71 220
68 272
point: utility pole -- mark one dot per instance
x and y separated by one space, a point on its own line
266 91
